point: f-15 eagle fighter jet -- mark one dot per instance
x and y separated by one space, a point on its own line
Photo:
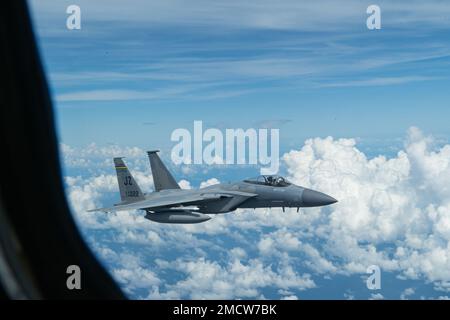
168 203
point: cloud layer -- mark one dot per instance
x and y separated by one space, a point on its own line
392 212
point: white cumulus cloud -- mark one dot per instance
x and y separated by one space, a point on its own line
393 212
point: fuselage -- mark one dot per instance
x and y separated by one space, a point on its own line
265 197
274 197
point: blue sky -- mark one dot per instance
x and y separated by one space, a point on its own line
153 67
138 70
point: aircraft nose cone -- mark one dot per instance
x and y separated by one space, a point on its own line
313 198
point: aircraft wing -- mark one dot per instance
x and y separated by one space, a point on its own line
158 200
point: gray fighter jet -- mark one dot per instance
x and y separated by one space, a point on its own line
171 204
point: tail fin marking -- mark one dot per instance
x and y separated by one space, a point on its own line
129 189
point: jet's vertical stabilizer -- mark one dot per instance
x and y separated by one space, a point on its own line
162 178
129 189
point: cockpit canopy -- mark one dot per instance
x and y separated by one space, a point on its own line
274 181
